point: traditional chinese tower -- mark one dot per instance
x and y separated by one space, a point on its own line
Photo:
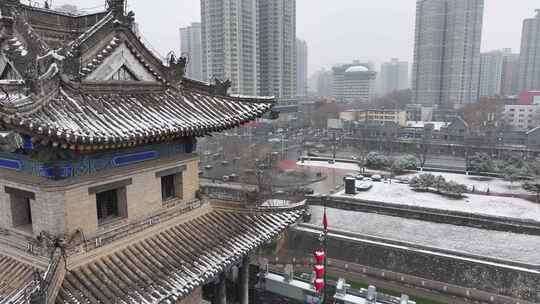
98 175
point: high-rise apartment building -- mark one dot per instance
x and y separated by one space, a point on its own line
491 65
229 32
323 83
354 82
394 76
510 73
191 48
301 67
277 50
447 52
529 62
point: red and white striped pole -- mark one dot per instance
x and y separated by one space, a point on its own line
321 262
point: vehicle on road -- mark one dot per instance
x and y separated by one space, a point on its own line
376 178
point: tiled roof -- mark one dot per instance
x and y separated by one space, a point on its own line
63 107
168 266
119 116
14 276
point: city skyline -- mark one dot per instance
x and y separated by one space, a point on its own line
326 27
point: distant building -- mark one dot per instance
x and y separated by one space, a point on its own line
529 98
394 76
301 68
324 80
375 116
418 112
447 52
354 82
533 138
191 48
529 61
229 32
375 131
277 47
522 117
491 65
510 73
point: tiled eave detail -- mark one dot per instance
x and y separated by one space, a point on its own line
169 265
124 114
14 277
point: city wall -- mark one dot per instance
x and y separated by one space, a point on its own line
486 279
498 223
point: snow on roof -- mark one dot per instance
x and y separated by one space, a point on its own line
437 125
533 130
356 69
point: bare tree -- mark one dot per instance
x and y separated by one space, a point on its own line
424 146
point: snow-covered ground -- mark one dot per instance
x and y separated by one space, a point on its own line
325 164
503 245
480 183
473 203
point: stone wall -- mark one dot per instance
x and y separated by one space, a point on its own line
47 209
489 222
48 212
143 196
497 279
61 208
190 180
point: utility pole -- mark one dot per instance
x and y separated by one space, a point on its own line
324 237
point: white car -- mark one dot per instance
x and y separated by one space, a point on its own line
376 178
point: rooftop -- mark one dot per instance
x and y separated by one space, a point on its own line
437 125
161 264
101 86
357 69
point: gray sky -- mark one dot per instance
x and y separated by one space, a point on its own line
336 30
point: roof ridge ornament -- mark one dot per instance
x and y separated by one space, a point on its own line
176 67
221 88
118 8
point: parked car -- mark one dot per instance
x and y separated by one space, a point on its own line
376 178
306 190
364 186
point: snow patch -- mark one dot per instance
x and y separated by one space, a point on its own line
52 71
325 164
52 53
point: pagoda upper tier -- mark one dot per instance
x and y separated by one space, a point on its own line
87 81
